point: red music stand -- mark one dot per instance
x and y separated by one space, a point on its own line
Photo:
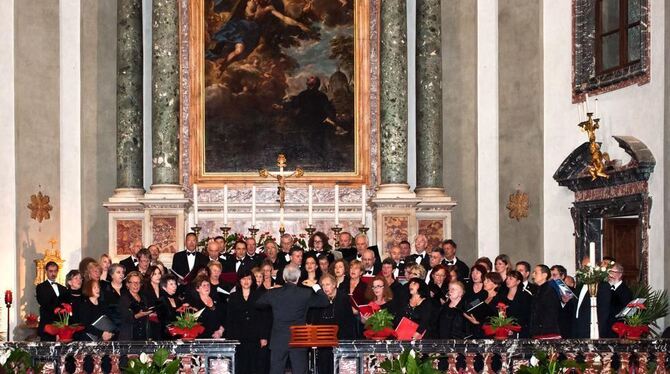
313 337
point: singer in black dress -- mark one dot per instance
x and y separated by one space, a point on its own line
133 310
213 313
168 303
242 321
88 311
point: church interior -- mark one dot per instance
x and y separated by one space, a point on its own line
531 129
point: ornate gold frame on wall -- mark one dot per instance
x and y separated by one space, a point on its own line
195 120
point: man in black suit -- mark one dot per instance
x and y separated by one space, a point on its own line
289 308
189 260
347 246
296 256
214 251
566 315
371 267
435 258
361 242
256 257
130 262
239 261
421 255
523 267
398 262
223 253
621 296
49 295
285 243
449 247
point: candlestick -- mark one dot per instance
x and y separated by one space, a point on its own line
253 230
309 205
363 230
8 304
253 206
337 205
282 230
310 230
195 203
363 207
337 230
592 254
225 205
196 229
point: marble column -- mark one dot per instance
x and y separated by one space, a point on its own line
129 139
429 179
393 96
165 96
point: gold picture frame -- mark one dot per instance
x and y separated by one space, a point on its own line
196 111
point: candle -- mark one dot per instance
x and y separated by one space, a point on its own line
253 206
281 217
195 203
225 205
309 205
595 112
363 208
8 298
337 205
586 102
592 254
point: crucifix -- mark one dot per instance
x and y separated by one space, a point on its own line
281 176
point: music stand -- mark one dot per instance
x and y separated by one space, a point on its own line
313 337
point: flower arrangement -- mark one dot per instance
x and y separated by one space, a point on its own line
264 238
548 363
231 239
62 328
18 361
590 274
408 363
300 240
654 307
379 325
501 326
159 364
32 320
187 324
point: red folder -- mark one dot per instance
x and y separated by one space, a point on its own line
366 309
228 278
406 329
367 278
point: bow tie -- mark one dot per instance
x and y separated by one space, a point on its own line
450 262
190 253
613 288
52 283
368 272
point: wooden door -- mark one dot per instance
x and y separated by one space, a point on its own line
621 240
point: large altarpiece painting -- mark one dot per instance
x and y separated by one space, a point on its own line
279 76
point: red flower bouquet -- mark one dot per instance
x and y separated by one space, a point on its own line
186 325
501 326
62 328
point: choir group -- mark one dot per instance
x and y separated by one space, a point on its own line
445 297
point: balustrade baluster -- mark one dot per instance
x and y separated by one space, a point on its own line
452 357
607 361
660 363
470 363
624 357
488 363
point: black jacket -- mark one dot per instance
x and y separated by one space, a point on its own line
128 264
582 324
451 324
337 312
289 307
544 312
48 301
180 262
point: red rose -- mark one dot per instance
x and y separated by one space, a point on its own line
67 307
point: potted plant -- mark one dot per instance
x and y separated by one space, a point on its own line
548 363
158 364
187 324
408 363
62 328
18 361
379 325
501 326
593 275
654 307
32 320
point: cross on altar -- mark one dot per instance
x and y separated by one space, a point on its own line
281 177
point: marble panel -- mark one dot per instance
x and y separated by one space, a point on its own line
127 231
434 231
396 229
164 233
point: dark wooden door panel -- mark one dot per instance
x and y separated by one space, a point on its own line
621 240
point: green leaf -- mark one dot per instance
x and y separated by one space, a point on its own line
172 367
160 356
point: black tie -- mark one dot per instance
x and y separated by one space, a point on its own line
613 288
368 272
190 253
450 262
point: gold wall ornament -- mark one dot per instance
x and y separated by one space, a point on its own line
598 159
39 207
52 254
518 205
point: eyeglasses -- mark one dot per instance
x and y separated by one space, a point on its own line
376 287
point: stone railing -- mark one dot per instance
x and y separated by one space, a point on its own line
197 357
507 356
363 357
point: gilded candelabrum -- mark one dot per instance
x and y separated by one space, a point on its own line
337 229
599 159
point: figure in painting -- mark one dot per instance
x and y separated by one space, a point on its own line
240 34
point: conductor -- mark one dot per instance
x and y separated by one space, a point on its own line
289 307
